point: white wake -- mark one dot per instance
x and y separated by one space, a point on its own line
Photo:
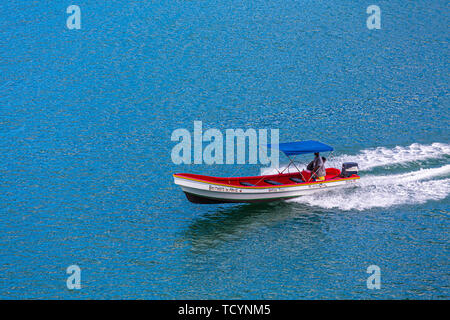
382 191
381 156
385 191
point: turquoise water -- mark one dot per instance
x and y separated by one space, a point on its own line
86 118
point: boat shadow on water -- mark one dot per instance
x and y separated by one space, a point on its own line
231 223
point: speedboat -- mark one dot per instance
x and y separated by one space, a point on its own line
265 188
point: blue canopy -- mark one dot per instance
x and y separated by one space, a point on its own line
303 147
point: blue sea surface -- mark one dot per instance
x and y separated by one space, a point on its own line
86 118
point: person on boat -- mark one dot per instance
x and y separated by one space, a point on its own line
310 166
319 171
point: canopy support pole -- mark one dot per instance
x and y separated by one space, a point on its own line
295 167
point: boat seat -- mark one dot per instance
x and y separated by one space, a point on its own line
276 183
297 180
247 184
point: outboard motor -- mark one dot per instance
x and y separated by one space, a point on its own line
349 168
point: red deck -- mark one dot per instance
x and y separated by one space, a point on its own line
260 181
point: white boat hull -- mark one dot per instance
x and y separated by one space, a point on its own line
205 192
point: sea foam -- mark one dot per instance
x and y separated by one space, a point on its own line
368 159
385 191
381 191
